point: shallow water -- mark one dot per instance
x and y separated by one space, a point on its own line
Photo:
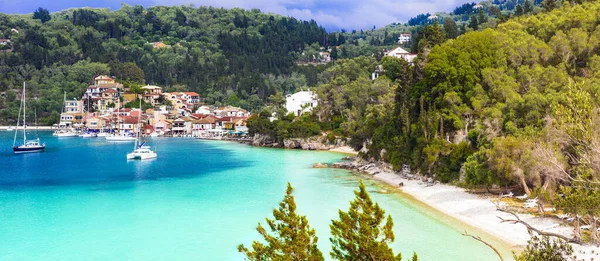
81 200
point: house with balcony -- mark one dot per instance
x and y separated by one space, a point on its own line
301 102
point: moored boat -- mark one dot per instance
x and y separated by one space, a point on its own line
28 146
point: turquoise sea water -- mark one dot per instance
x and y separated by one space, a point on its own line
81 200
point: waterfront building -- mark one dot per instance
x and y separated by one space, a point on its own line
301 102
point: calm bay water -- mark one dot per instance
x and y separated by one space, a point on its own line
81 200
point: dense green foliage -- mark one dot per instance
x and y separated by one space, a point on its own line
360 233
222 54
542 248
292 237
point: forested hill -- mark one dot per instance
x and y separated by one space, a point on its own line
225 55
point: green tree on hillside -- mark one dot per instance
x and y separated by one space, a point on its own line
360 233
291 239
474 23
450 28
42 14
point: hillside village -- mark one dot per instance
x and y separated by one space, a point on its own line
103 108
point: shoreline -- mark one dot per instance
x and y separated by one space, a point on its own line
4 128
471 210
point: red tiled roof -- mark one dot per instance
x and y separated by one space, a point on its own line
191 93
130 120
109 91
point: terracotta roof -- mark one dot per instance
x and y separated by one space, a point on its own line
204 121
130 120
109 91
191 93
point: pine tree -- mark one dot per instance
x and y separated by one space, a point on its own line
527 8
42 14
292 238
549 4
473 23
360 234
482 18
518 10
450 28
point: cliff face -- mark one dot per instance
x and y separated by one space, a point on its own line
312 143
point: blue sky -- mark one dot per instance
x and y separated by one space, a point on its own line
332 14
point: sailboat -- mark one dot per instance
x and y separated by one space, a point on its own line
28 145
119 136
141 152
88 133
64 132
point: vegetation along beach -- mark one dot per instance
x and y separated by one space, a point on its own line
294 131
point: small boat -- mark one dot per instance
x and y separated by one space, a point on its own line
88 135
65 133
142 153
102 134
10 128
28 146
119 138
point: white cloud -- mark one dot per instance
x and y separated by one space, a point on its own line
336 14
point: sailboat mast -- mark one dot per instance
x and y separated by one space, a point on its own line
18 120
24 122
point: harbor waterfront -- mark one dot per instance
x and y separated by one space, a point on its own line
81 200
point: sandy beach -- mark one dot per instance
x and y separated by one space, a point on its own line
480 212
345 150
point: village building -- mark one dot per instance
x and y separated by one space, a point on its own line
398 52
301 102
403 38
230 111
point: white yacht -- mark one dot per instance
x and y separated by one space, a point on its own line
117 137
10 128
142 153
88 135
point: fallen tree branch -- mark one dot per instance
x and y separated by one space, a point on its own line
486 243
530 228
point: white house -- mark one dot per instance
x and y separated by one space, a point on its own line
204 110
203 125
301 102
401 53
404 38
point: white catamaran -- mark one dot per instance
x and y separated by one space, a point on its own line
141 152
28 145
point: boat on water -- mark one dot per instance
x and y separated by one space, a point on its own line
88 135
102 134
28 146
121 137
141 152
10 128
64 131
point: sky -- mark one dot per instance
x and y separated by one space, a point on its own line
331 14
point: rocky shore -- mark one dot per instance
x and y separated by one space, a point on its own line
311 143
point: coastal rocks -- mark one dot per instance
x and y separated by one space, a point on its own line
263 141
313 143
320 165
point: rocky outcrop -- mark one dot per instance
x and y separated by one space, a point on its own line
320 165
312 143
